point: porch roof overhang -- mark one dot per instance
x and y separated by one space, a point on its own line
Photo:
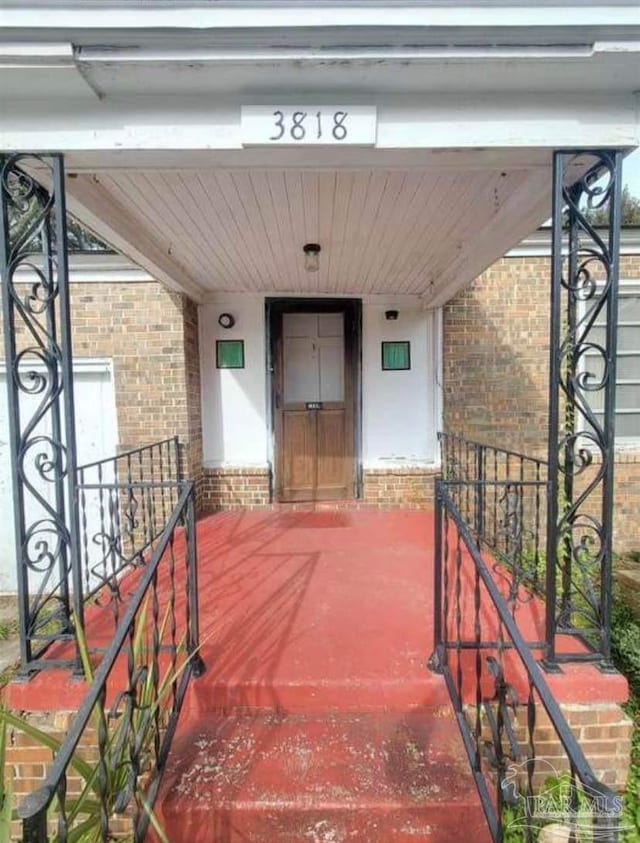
383 230
144 99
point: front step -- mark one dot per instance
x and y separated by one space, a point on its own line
280 778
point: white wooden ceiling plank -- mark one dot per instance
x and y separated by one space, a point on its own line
253 231
309 181
129 197
364 213
477 201
408 205
374 201
135 189
395 231
293 188
523 211
339 221
206 220
161 203
506 218
422 235
203 232
246 192
326 209
292 260
279 242
310 204
382 234
226 186
474 197
444 214
244 275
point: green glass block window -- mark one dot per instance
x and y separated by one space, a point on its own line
230 354
396 356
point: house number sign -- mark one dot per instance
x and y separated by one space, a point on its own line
308 125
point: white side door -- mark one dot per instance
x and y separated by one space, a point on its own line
96 435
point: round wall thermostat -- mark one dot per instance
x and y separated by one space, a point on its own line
226 320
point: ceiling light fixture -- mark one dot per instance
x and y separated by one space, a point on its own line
311 257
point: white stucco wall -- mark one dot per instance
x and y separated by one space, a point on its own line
234 417
400 410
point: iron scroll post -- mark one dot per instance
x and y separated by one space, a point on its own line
582 390
35 301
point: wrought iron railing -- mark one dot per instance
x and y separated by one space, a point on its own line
131 709
528 767
502 494
503 497
124 503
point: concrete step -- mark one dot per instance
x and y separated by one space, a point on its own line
297 695
276 778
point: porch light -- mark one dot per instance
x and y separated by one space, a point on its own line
311 257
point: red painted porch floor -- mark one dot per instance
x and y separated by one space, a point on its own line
317 719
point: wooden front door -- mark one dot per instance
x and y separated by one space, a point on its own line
314 418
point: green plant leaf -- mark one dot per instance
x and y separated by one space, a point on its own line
154 820
79 833
83 649
6 809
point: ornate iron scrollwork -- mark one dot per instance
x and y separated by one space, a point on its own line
34 273
582 397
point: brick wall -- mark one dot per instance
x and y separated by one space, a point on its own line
495 356
603 731
496 361
239 488
399 487
151 335
28 761
234 488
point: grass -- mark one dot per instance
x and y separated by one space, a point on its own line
8 629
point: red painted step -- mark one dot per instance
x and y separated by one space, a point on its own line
280 778
317 720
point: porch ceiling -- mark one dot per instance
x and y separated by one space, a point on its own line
388 231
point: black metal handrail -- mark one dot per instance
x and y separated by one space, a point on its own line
132 705
478 646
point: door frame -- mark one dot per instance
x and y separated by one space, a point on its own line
352 308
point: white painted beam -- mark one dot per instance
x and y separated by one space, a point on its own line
153 124
39 14
30 54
